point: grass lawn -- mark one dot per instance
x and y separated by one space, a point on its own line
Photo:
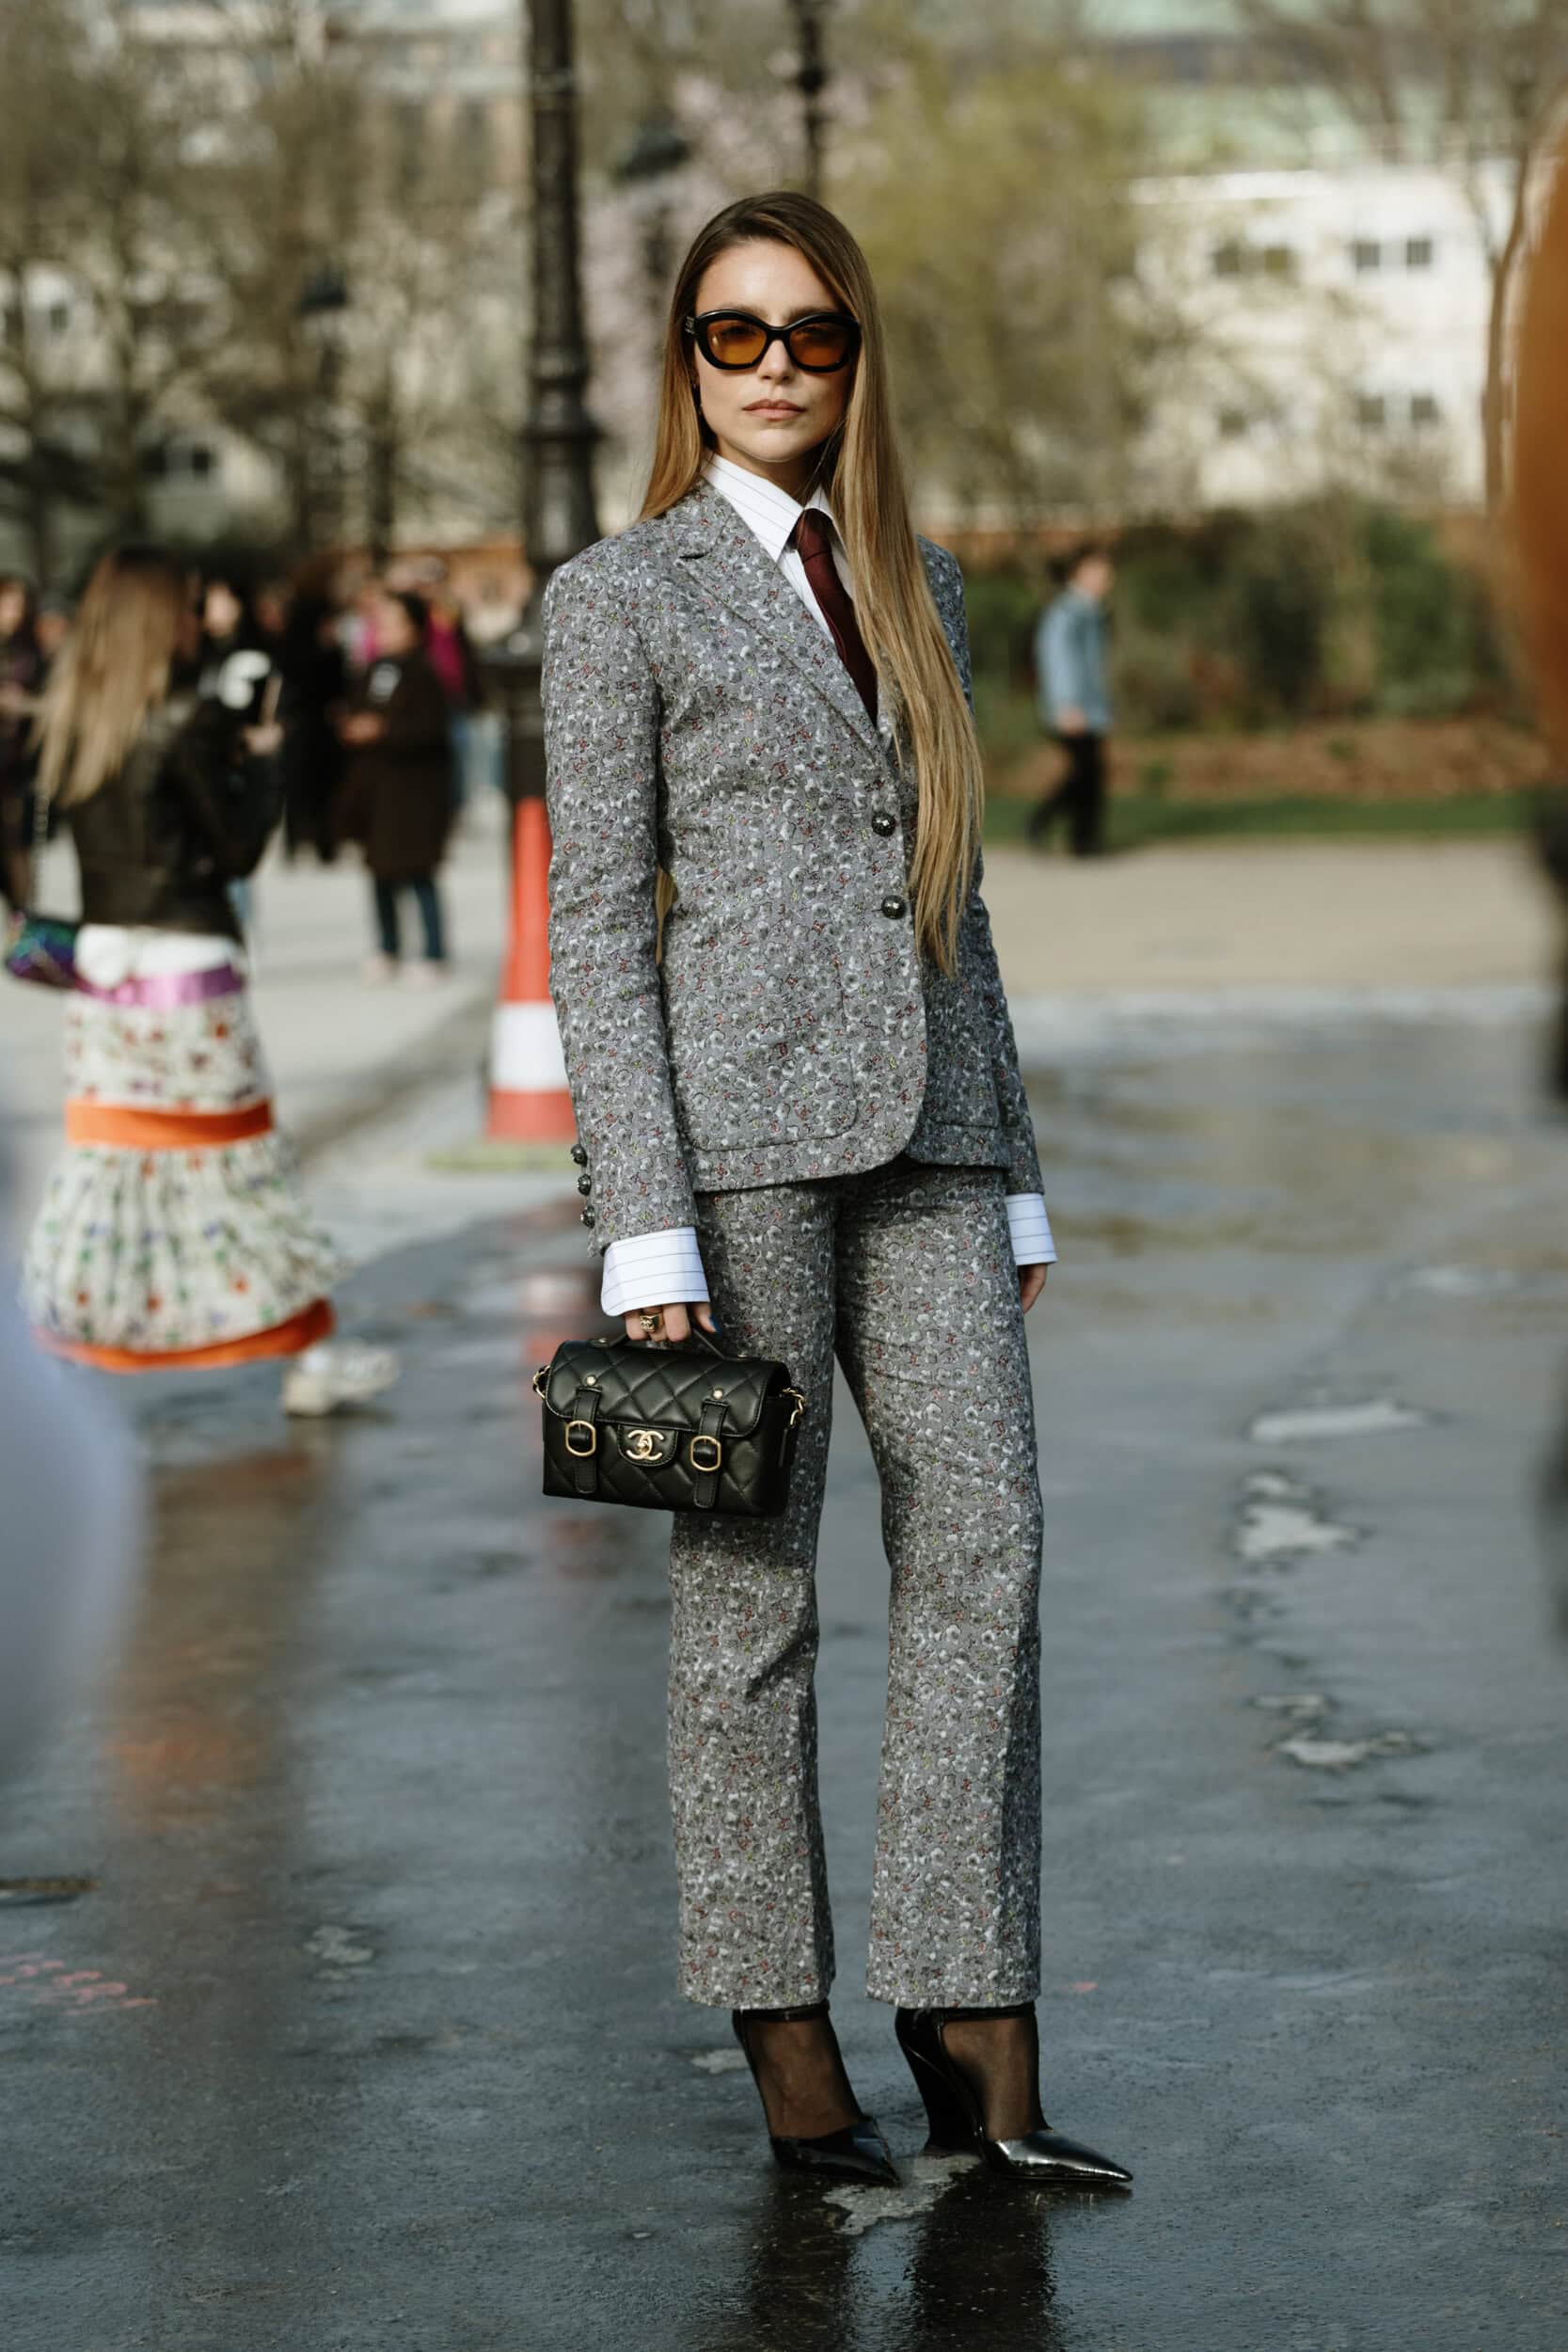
1361 779
1136 821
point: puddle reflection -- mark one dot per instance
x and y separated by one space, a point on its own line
202 1749
972 2272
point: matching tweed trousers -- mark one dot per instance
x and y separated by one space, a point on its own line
907 1274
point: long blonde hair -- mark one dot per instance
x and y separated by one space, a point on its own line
111 670
862 467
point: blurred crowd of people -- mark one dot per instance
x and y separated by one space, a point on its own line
374 681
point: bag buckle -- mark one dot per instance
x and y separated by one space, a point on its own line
699 1463
581 1452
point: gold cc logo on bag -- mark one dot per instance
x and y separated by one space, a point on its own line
644 1445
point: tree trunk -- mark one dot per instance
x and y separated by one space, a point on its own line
1494 398
124 455
299 473
381 470
40 527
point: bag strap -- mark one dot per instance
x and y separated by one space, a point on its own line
585 1453
706 1450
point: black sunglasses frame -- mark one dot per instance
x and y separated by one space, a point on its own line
697 329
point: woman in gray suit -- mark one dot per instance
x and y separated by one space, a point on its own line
799 1102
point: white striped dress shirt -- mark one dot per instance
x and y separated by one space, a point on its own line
663 1269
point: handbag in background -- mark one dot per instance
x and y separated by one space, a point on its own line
40 948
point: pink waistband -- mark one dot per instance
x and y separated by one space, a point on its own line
160 992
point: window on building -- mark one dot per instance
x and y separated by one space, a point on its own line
1229 260
57 317
1279 260
1233 424
1366 253
1425 409
154 462
1371 411
1419 253
201 460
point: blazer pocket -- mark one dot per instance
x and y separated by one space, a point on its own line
757 1056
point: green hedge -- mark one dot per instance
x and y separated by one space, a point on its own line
1335 608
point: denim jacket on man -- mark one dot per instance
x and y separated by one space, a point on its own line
1069 661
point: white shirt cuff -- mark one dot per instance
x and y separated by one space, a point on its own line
1031 1229
653 1270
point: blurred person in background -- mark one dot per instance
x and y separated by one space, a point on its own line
53 627
397 801
22 662
236 669
358 627
72 1526
315 687
173 1234
1074 702
492 616
451 656
271 607
758 694
238 657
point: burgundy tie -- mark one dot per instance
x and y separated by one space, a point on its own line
814 540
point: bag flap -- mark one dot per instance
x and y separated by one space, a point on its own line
660 1386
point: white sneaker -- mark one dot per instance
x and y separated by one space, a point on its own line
336 1372
378 970
426 975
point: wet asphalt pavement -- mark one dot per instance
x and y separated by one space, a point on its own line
365 2035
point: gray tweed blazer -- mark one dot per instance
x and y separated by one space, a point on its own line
697 718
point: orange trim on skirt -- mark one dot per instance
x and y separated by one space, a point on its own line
113 1124
313 1323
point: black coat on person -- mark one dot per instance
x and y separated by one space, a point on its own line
397 800
315 685
188 813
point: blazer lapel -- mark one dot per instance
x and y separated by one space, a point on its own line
725 557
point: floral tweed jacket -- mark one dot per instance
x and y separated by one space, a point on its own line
697 719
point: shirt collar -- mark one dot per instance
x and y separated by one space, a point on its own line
772 512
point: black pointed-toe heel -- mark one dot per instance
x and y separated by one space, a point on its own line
1042 2156
856 2153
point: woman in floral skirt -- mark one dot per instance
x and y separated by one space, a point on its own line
173 1234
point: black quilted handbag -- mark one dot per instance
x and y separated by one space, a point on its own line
684 1428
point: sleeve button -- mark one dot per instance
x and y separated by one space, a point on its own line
585 1184
579 1156
588 1218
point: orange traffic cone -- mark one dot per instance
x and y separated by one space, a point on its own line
528 1098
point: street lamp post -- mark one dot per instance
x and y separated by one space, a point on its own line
559 434
530 1105
811 80
323 302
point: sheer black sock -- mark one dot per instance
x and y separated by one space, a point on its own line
999 2057
800 2073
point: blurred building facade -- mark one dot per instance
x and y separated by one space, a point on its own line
1338 277
1340 317
429 248
1336 292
